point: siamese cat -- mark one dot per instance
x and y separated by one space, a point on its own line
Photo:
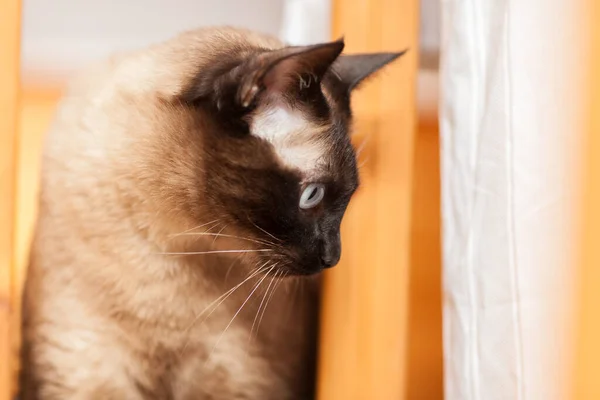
191 193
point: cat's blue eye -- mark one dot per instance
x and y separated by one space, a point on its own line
312 195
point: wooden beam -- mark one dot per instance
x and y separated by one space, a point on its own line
587 365
10 29
36 110
365 305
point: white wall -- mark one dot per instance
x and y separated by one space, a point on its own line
61 36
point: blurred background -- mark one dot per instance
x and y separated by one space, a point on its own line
516 83
62 36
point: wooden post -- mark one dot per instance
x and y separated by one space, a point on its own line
587 365
10 29
364 314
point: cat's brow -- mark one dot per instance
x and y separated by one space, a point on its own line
295 138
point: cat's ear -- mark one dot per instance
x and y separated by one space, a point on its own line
352 69
278 71
274 71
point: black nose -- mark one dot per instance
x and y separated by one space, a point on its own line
328 262
331 250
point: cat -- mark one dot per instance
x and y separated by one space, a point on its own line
191 193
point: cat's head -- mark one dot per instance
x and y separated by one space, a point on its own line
278 168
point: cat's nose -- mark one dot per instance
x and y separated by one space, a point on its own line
328 261
331 250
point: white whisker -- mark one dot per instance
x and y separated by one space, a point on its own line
261 303
218 234
269 299
362 164
297 282
223 297
219 300
230 292
191 253
227 236
362 146
258 227
237 312
214 222
235 261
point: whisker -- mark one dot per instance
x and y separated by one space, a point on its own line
269 299
227 236
214 222
223 297
362 164
362 146
230 292
235 261
218 234
220 301
258 227
191 253
236 314
261 303
292 297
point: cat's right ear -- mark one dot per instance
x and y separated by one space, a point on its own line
275 72
353 69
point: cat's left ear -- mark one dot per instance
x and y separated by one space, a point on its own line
280 70
272 71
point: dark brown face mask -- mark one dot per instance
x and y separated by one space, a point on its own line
258 193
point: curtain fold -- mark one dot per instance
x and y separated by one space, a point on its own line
508 122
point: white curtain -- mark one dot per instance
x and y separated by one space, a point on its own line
507 108
306 21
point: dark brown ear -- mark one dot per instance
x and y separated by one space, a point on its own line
277 71
352 69
238 82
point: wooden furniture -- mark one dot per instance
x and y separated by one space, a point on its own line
587 344
365 311
10 28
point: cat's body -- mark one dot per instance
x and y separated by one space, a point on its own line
142 163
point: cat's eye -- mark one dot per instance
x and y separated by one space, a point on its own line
312 195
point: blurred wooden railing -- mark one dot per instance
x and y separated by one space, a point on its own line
587 344
363 346
10 29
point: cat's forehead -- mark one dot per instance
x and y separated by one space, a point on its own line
300 141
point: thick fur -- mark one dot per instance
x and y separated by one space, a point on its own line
160 154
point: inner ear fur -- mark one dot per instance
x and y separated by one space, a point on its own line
238 82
